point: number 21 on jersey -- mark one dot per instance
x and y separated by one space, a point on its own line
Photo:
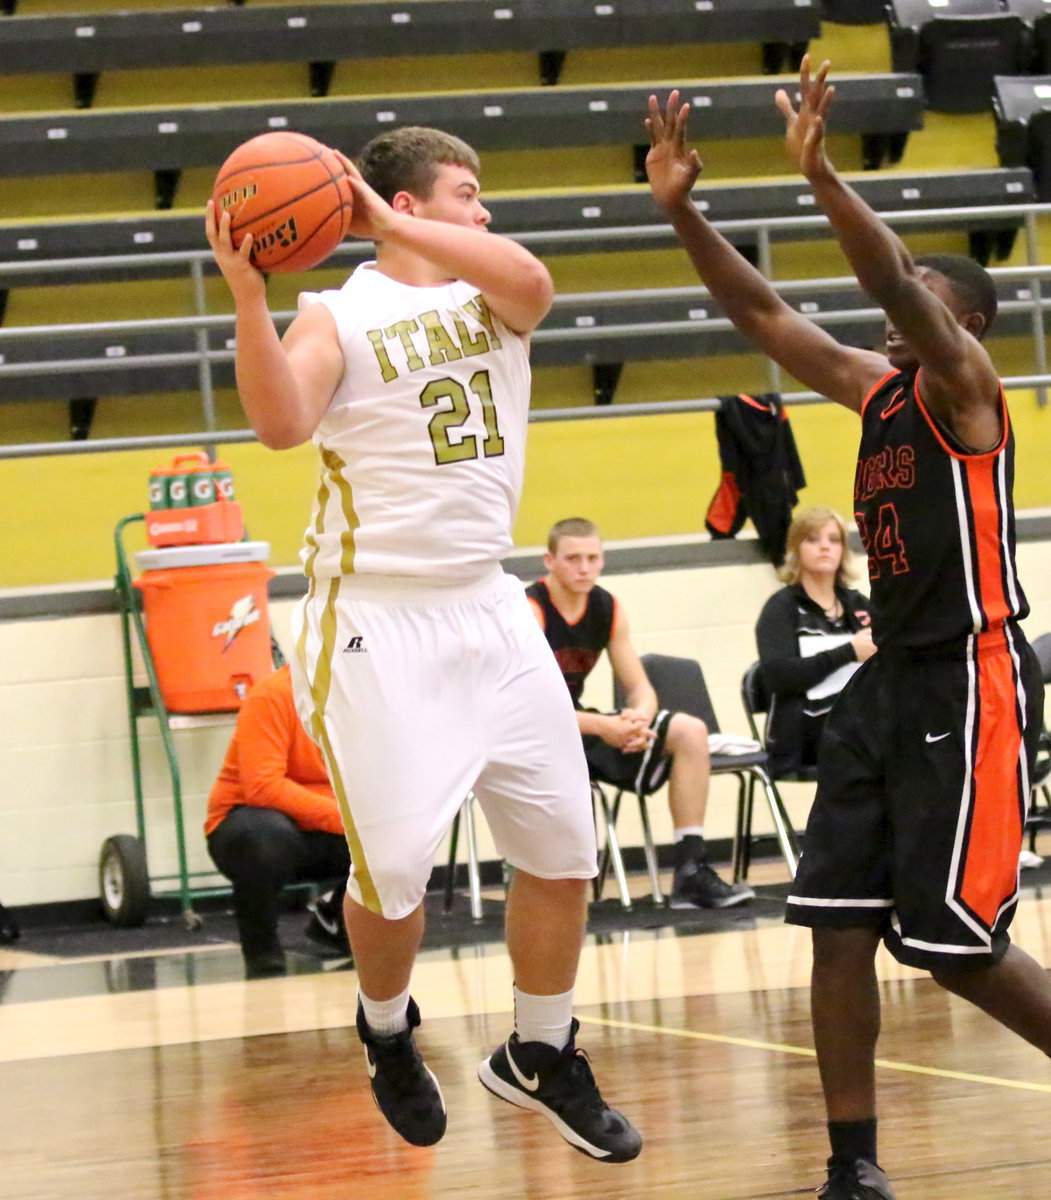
454 403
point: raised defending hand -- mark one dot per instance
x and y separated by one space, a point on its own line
805 127
672 169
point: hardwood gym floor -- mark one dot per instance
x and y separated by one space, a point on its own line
164 1076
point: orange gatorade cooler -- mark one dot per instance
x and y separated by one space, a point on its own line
207 622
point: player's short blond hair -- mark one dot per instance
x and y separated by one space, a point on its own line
570 527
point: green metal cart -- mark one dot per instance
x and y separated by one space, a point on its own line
126 886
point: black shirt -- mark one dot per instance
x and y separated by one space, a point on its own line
794 725
578 646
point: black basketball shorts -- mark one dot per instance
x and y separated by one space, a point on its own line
641 771
923 785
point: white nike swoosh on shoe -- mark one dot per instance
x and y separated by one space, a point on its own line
939 737
370 1066
530 1085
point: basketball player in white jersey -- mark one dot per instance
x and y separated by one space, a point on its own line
419 668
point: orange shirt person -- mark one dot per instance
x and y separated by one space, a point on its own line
273 820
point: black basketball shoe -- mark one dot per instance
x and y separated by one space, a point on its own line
559 1084
405 1091
325 924
858 1180
696 885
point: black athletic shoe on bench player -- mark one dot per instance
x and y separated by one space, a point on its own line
405 1090
559 1084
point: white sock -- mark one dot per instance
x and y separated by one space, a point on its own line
544 1018
385 1017
682 831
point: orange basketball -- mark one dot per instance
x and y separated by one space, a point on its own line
291 194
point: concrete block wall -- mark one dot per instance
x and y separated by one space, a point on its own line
64 747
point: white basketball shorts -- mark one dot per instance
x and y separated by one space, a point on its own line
419 694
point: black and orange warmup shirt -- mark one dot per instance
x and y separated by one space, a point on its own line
576 646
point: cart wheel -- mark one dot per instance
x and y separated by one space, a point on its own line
124 883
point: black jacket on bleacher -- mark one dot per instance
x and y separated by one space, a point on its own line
762 473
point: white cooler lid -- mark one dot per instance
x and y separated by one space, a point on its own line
205 555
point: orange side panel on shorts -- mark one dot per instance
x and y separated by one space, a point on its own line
990 872
989 545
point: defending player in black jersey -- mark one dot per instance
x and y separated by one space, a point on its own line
914 835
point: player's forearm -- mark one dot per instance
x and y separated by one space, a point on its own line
642 700
591 723
495 265
795 675
875 252
740 290
310 806
266 384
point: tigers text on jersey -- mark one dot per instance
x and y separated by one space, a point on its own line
423 445
937 523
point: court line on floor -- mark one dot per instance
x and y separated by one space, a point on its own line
805 1052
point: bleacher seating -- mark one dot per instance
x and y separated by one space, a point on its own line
882 107
160 356
1036 14
957 47
1022 105
612 219
320 34
599 329
854 12
608 219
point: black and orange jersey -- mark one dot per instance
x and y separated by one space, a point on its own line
937 522
576 646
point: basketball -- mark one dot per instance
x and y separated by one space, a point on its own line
291 193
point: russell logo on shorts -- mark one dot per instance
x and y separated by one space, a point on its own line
356 645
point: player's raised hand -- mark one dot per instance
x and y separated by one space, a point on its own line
805 126
372 214
234 261
671 167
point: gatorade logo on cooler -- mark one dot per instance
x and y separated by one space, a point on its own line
242 612
202 489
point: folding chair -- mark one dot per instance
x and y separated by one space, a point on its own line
611 854
680 687
474 878
756 703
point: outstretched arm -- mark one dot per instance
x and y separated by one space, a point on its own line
284 385
958 380
804 349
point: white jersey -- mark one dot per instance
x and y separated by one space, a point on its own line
423 445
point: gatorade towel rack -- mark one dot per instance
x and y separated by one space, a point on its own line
125 884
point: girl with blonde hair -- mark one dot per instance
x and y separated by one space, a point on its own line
811 636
